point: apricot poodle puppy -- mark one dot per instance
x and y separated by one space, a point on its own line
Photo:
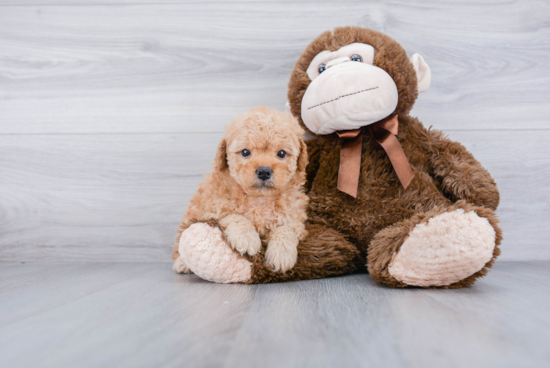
254 195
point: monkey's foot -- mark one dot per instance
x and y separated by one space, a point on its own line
206 253
447 249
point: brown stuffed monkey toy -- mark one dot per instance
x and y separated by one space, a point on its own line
387 195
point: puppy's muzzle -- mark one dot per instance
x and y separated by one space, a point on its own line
264 173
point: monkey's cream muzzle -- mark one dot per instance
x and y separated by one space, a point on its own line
348 95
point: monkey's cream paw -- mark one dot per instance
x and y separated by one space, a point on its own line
282 253
448 248
244 239
180 266
204 251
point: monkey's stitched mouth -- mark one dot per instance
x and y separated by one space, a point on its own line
339 97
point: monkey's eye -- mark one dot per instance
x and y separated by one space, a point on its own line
281 154
245 152
322 68
356 58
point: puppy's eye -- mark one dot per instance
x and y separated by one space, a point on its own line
245 152
356 58
322 68
281 154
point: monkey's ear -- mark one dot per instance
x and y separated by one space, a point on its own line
423 72
220 163
287 108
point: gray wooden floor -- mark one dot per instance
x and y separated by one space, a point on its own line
144 315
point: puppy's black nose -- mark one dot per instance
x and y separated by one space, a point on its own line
263 173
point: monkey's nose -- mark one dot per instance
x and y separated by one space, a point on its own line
263 173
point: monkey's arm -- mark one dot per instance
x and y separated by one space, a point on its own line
460 174
314 154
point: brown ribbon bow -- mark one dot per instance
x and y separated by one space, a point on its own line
384 132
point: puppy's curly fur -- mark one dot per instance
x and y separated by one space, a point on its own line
254 213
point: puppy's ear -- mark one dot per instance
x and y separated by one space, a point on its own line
302 158
220 163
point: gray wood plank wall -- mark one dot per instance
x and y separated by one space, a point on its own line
110 112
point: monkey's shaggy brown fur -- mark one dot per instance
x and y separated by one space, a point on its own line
324 253
378 221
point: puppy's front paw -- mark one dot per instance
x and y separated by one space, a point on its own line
243 240
180 266
282 253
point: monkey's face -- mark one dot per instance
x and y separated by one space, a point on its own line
354 77
347 91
